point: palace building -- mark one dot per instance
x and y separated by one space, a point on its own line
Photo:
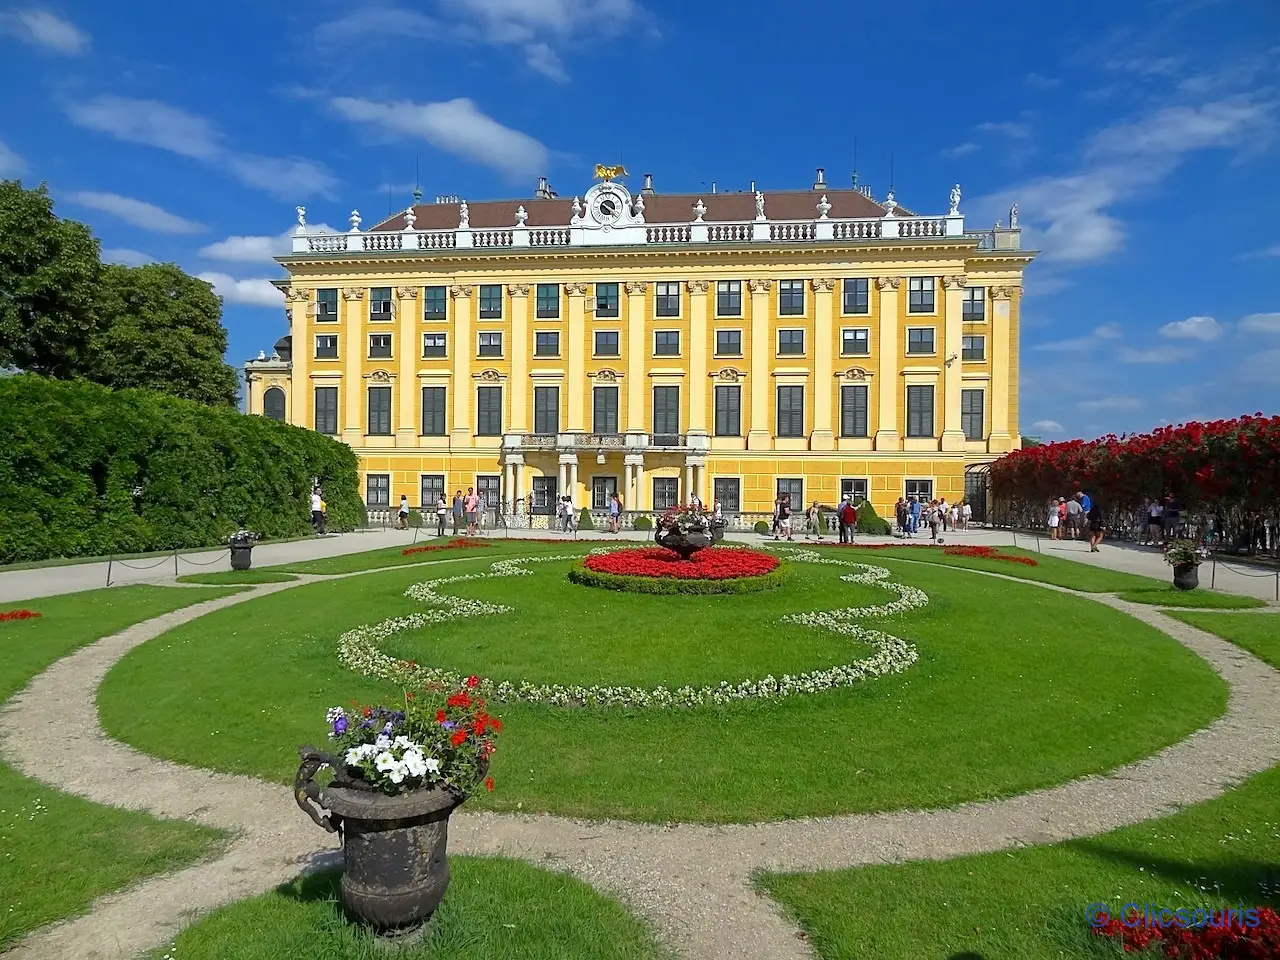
813 342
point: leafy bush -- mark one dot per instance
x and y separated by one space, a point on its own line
762 527
871 522
667 586
642 523
415 519
88 471
584 520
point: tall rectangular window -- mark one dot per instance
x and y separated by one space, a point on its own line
791 298
326 346
488 411
971 414
490 301
728 343
666 411
853 411
729 410
489 489
607 300
433 345
920 294
545 496
546 343
790 412
790 343
857 296
606 343
975 304
666 493
379 346
435 301
433 412
666 301
546 410
327 305
728 298
922 490
380 304
327 411
920 411
728 490
604 409
793 489
489 345
430 489
920 340
548 301
973 348
855 342
666 343
380 411
377 490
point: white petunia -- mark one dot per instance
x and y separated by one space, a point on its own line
385 761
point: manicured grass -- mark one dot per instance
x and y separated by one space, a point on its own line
1168 596
1048 569
1017 687
239 576
59 852
1259 633
495 909
496 547
73 561
1030 903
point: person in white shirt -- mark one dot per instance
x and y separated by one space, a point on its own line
944 513
442 511
966 513
317 511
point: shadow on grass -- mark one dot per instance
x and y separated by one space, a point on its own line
1251 882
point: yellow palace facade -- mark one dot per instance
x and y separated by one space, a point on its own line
815 342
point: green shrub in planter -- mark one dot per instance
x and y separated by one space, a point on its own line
584 520
762 527
870 522
642 523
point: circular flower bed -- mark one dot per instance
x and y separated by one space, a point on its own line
659 570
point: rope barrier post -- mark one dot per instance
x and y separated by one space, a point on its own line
110 559
1278 584
175 561
1213 573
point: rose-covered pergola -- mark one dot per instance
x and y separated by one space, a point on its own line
1224 473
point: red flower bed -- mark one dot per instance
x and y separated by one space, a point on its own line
989 553
458 543
714 563
18 615
1249 934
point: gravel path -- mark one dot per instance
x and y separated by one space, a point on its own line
691 881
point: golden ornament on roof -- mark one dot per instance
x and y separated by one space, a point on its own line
610 173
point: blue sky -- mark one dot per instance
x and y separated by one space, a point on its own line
1140 146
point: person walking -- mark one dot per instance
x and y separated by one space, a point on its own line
442 511
1095 525
482 507
402 514
470 506
457 513
813 522
900 515
784 519
955 516
848 518
1172 518
943 513
317 512
1155 522
777 514
615 512
931 517
913 516
1074 517
1053 520
966 513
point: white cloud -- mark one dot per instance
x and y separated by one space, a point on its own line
517 21
126 257
1114 402
156 124
1267 252
1008 128
380 21
1193 328
1040 82
137 212
256 292
46 29
1047 426
542 59
1108 331
251 249
455 126
12 166
1171 131
1162 354
961 150
1145 66
1097 335
1261 323
1261 367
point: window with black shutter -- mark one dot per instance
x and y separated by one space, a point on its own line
971 402
546 344
379 346
973 348
488 411
790 343
273 404
327 347
853 411
791 411
433 345
855 341
728 490
380 411
666 411
920 411
974 309
546 410
431 489
604 409
666 493
666 343
489 345
377 490
729 411
433 412
327 410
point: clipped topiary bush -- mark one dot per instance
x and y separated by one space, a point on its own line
870 522
584 520
642 523
762 528
415 519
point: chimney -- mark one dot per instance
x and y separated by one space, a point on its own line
820 181
713 186
753 186
543 192
647 190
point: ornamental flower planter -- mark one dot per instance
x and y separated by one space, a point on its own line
1186 576
241 543
683 530
1185 556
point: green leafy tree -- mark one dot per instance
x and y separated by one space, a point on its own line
162 330
49 270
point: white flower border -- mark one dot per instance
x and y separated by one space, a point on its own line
359 650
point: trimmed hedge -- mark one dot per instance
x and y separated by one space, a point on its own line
669 586
762 527
584 520
642 523
871 522
75 453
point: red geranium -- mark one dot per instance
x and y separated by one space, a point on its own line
1251 934
713 563
18 615
989 553
457 543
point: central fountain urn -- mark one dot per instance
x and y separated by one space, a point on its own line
684 531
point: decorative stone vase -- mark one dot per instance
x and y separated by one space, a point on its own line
241 556
395 872
684 542
1186 576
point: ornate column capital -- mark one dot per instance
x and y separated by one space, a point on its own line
822 284
460 290
637 286
699 286
576 289
296 295
888 283
518 289
353 293
1002 293
407 293
955 283
760 285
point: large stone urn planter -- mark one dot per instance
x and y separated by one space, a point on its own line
241 556
1186 576
396 872
684 542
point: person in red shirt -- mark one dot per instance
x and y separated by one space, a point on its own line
471 506
848 518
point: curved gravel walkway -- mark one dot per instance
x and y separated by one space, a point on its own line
693 882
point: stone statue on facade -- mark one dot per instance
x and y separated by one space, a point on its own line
1013 217
409 218
759 205
302 219
890 204
823 208
576 208
955 201
699 211
464 216
521 215
355 221
637 208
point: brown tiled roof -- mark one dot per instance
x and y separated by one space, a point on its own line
659 208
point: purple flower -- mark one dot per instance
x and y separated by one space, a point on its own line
449 725
339 726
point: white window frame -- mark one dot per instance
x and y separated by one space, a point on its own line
844 330
594 343
804 338
680 336
906 346
715 343
657 287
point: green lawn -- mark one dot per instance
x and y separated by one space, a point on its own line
267 575
1017 687
496 909
1259 633
59 852
495 547
1169 596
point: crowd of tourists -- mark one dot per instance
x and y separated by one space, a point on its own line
913 514
846 515
1077 518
